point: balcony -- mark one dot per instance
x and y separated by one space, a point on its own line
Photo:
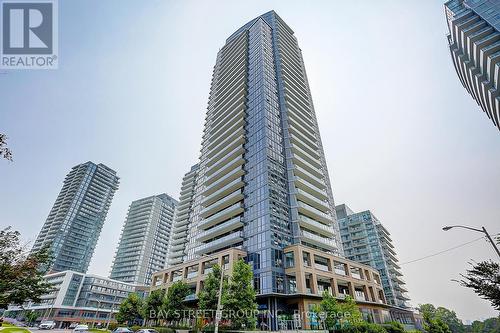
227 153
222 203
225 190
223 181
177 247
179 239
320 228
227 130
221 229
225 241
319 241
307 165
314 213
225 214
312 200
217 171
228 140
232 121
310 188
318 182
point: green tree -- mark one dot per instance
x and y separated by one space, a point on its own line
433 323
130 310
31 317
490 325
484 279
331 308
174 301
21 274
240 297
339 313
5 152
450 318
209 295
436 326
349 306
153 304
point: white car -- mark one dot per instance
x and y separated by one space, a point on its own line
47 325
81 328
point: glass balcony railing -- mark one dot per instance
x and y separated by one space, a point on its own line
229 177
306 186
318 240
226 189
303 173
221 203
221 228
320 228
306 164
221 216
214 245
314 213
312 200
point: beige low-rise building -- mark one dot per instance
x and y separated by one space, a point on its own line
309 273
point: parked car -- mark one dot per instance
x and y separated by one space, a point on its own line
81 328
72 325
47 325
123 330
146 330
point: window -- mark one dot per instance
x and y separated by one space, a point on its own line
289 260
306 257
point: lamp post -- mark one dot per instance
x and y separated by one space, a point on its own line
482 230
97 312
218 314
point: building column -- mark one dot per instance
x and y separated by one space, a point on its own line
335 288
314 283
350 285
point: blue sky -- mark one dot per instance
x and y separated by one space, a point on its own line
401 135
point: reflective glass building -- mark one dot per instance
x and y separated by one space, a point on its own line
262 183
474 41
367 241
143 245
76 219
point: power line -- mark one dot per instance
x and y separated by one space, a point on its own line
441 252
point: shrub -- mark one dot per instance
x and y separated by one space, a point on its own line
135 328
112 326
362 327
394 327
164 329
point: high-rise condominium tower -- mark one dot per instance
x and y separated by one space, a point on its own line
365 240
75 221
474 41
144 240
178 236
262 182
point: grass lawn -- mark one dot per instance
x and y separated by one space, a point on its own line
13 329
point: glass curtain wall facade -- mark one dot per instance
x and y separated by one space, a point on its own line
474 41
262 182
143 245
367 241
76 219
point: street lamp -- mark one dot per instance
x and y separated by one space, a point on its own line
218 314
97 312
483 230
